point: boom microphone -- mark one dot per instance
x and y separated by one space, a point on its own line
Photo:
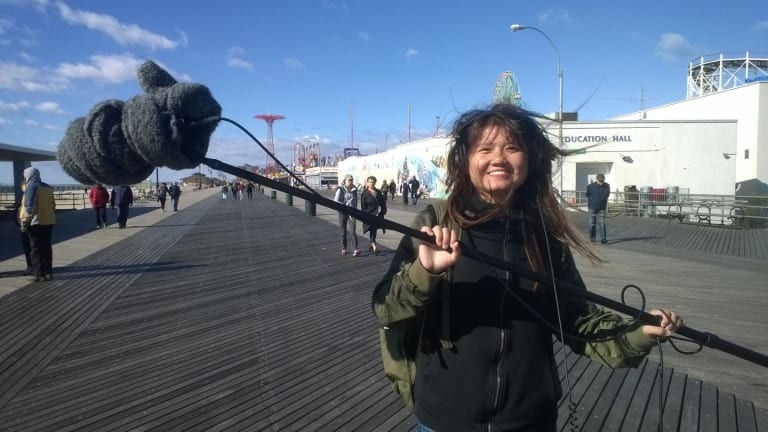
171 125
122 142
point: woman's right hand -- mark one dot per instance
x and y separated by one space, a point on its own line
441 255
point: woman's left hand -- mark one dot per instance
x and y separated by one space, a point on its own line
670 323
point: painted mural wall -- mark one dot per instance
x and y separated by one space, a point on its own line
424 159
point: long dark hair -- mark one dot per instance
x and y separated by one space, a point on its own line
534 195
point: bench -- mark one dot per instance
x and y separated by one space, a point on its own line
704 213
9 211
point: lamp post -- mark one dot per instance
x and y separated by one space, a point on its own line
517 28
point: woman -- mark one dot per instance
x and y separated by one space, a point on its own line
99 198
347 195
492 367
372 202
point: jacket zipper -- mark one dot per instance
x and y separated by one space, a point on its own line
502 333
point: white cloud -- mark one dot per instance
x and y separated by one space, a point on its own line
674 47
239 63
293 63
760 26
5 25
235 59
49 107
40 5
14 106
235 51
124 34
112 69
18 77
411 53
557 15
4 122
37 124
26 57
364 36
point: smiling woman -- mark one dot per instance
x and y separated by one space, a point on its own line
485 358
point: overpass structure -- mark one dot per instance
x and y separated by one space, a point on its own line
22 158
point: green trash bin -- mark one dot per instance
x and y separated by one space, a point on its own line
273 194
289 200
309 208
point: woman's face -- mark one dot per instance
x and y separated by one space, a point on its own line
371 184
498 166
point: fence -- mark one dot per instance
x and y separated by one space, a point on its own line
676 204
70 198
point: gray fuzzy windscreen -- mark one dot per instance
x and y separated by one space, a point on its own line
121 142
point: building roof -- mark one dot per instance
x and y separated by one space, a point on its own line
16 153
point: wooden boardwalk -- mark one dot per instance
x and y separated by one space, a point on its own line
241 316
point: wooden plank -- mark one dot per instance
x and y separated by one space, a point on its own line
614 419
673 402
726 412
604 400
761 418
708 421
745 416
689 420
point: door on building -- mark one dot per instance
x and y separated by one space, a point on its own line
587 171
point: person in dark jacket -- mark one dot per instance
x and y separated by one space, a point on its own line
99 197
492 366
372 201
405 190
597 203
162 195
175 193
413 187
122 197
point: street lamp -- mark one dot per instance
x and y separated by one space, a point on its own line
517 28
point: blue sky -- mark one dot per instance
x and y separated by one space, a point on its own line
321 62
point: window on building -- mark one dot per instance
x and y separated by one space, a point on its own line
746 154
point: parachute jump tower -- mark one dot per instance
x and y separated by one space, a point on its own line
270 119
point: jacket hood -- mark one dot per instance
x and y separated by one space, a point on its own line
31 175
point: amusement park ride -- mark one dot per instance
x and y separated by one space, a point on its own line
507 89
306 156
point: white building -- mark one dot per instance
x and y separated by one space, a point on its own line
705 144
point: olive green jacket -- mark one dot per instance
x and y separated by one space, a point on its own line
407 290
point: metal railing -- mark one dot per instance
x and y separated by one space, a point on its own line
713 210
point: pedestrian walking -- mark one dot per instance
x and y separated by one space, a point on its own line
175 194
347 195
122 198
162 195
99 197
